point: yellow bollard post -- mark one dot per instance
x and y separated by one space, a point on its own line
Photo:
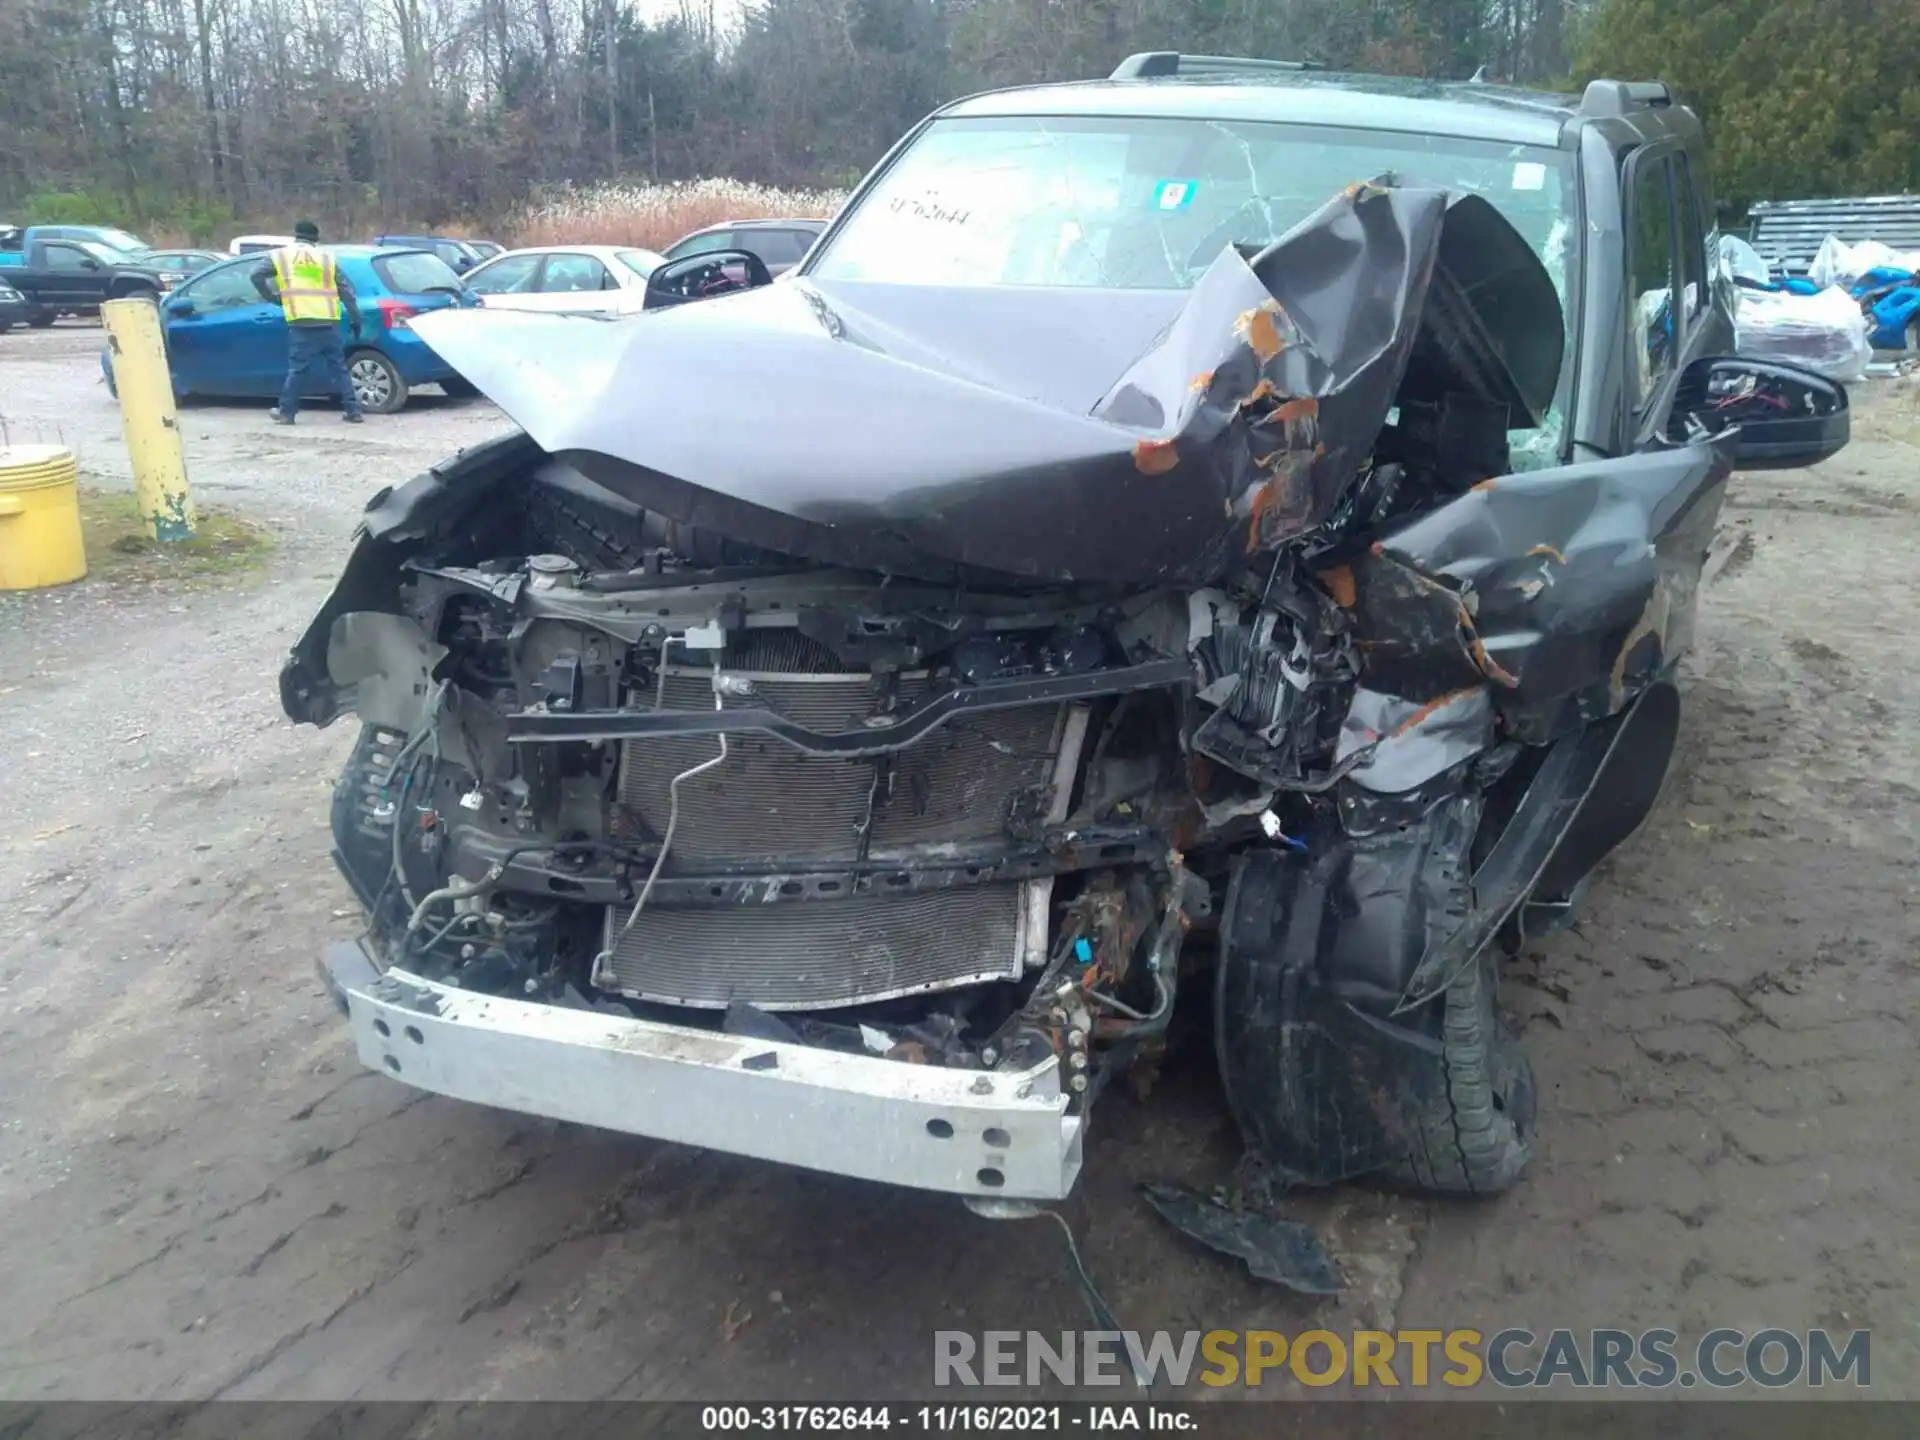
141 380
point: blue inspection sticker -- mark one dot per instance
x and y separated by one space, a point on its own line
1174 194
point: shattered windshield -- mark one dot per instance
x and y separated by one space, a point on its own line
1122 202
1127 202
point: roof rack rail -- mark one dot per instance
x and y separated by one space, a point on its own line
1150 63
1620 97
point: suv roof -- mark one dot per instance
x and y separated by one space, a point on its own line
761 223
1156 84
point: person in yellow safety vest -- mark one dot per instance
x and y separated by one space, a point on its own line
307 285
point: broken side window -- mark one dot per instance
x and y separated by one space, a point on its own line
1650 228
1693 252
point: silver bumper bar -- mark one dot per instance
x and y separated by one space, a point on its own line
967 1133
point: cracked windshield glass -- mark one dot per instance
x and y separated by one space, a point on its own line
1148 204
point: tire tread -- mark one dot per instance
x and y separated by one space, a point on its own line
1461 1142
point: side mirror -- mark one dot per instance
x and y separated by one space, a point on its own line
1783 417
181 308
701 277
89 264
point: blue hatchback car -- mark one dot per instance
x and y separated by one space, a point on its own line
223 339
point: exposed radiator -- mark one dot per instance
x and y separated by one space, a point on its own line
820 954
769 802
771 805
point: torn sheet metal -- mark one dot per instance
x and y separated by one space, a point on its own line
1412 743
844 423
1562 592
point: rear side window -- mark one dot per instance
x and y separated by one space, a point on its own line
505 277
1650 230
703 244
776 247
414 273
570 274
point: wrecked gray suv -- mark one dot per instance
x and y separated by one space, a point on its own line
1219 537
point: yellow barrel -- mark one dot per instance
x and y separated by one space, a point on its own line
39 517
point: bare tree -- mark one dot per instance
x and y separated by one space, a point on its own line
192 112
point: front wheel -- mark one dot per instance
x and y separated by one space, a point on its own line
377 382
1326 1077
1438 1100
140 292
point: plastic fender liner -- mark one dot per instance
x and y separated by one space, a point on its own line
1328 960
1315 949
1291 1045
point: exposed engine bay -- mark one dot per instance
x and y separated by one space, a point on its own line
964 755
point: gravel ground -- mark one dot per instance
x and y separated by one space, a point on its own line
204 1195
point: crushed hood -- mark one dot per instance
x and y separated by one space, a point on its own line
1053 434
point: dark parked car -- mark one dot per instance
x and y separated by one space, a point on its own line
780 244
1216 540
176 265
224 340
14 309
486 249
457 255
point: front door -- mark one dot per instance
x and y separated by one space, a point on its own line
222 338
73 277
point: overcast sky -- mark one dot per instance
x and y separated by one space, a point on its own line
726 13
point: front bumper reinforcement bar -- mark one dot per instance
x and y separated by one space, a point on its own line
964 1132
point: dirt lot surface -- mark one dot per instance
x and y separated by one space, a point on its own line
204 1195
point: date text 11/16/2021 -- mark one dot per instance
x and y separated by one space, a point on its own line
948 1419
